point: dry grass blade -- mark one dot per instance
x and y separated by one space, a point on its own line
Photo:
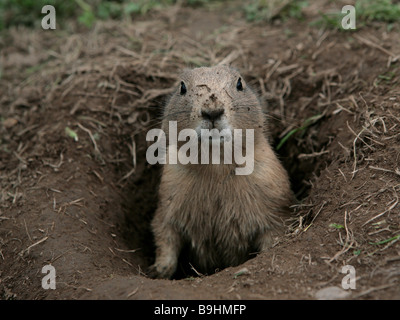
348 242
230 58
198 273
312 155
133 292
316 215
396 171
33 245
373 45
96 149
369 291
396 201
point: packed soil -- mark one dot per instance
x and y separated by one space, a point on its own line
77 192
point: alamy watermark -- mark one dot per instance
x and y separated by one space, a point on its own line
197 149
49 280
349 281
49 20
348 21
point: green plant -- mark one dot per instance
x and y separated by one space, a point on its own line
367 11
86 12
268 10
331 20
307 123
336 226
378 10
29 12
395 238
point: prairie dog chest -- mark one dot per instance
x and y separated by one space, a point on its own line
215 206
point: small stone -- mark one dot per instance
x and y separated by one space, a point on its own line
241 272
332 293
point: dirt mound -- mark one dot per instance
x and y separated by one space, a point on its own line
77 192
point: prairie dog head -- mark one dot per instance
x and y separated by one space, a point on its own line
214 97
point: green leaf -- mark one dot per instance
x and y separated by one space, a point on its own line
131 8
386 240
71 133
308 122
336 225
87 18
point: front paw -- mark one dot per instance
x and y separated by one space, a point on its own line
159 271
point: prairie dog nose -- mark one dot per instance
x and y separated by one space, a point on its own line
212 115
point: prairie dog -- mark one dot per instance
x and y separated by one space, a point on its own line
219 216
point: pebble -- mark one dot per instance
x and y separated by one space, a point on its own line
332 293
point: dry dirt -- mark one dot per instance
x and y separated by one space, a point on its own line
84 206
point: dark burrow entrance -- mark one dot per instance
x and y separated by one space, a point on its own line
293 147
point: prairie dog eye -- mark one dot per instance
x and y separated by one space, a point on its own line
239 85
183 88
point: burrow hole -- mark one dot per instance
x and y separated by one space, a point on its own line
140 196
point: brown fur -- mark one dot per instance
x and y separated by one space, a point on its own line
220 216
